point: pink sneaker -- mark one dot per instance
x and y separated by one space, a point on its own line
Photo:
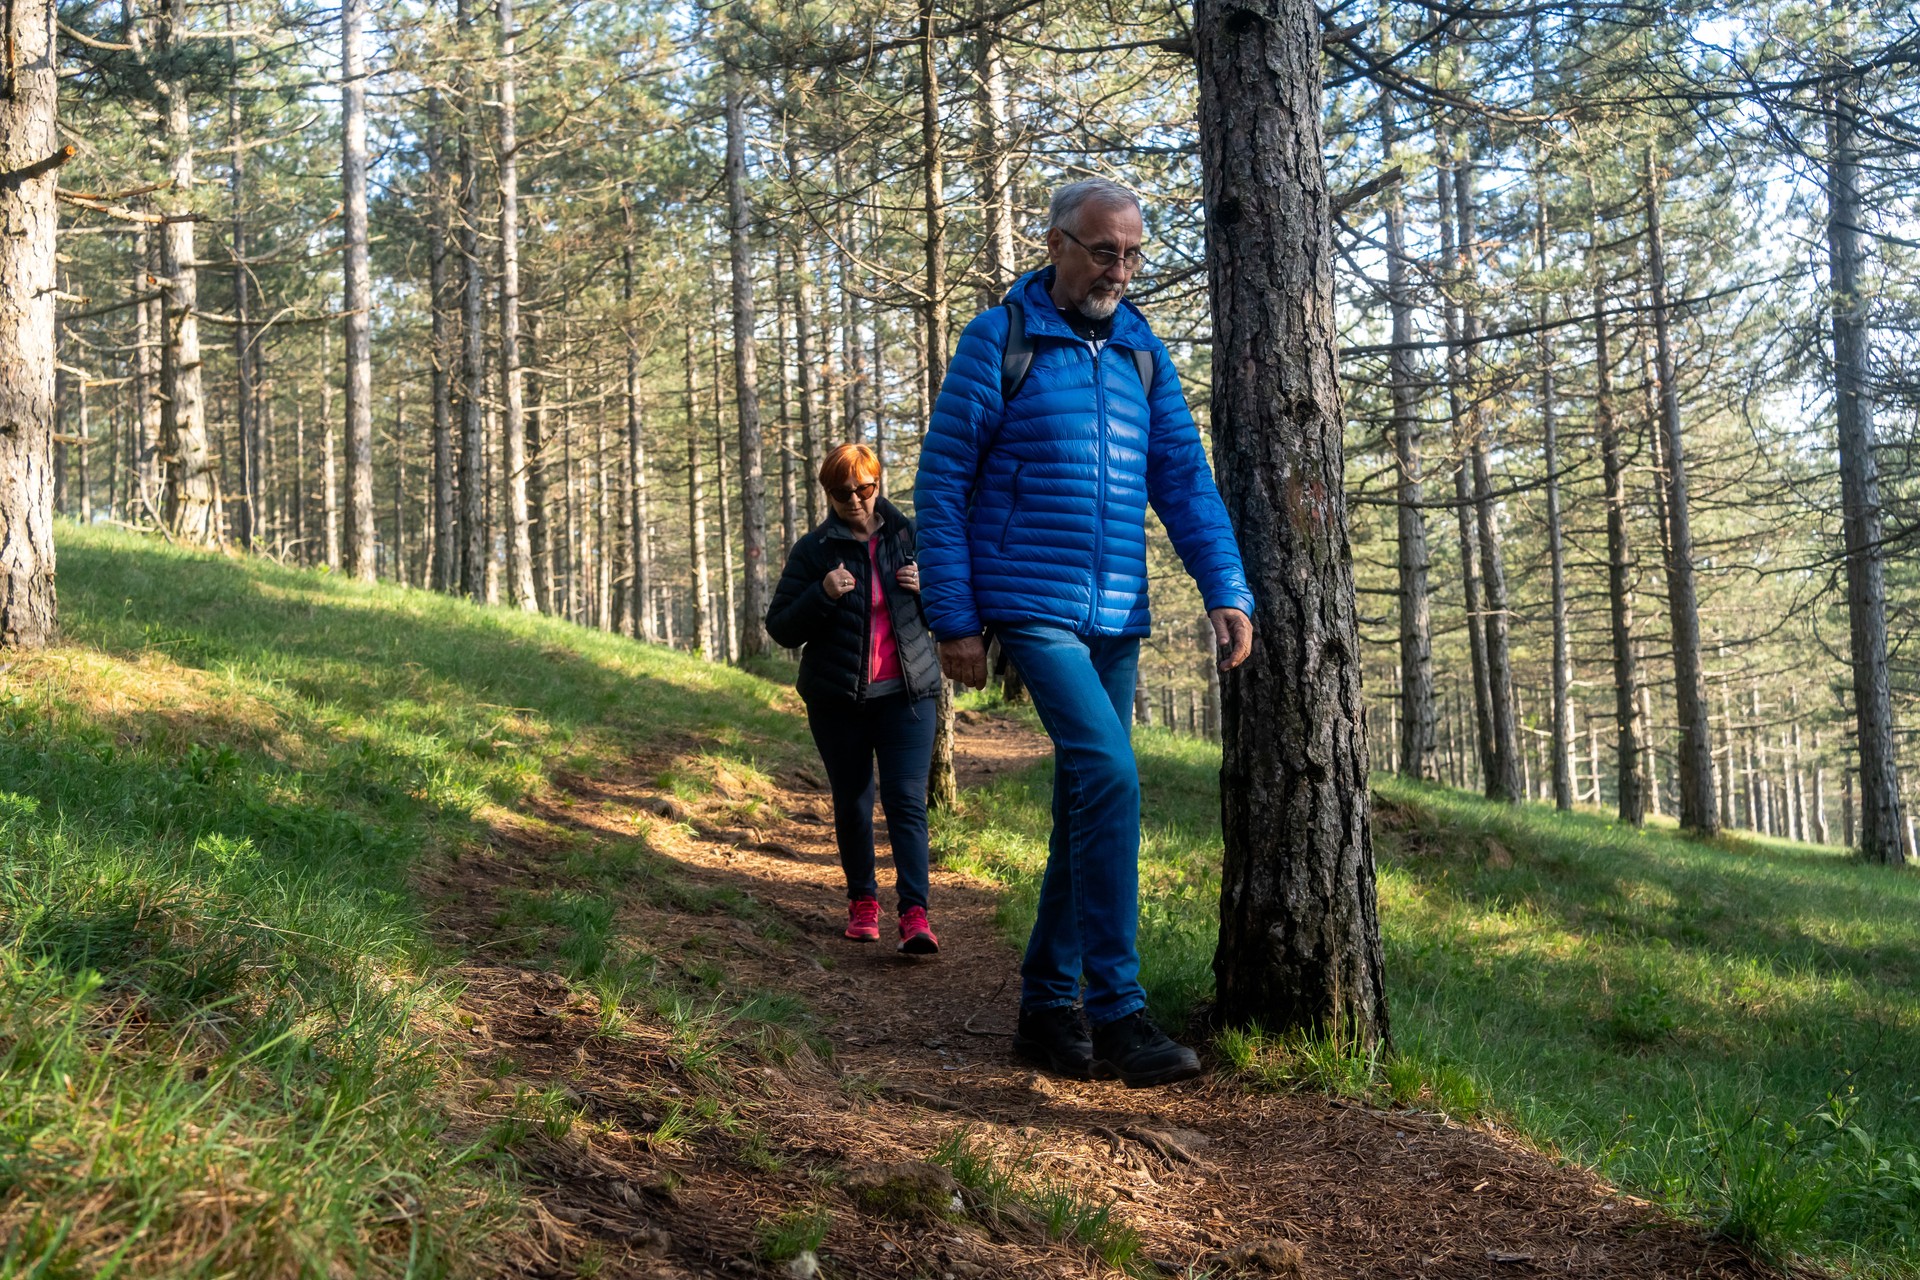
916 935
863 920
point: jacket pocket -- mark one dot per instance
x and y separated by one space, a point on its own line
1012 506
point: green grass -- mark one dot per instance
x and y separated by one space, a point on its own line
216 997
1732 1027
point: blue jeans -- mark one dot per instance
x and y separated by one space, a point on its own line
898 734
1082 686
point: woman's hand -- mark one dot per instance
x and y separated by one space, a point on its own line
838 582
908 578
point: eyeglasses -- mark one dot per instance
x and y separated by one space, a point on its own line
1107 259
848 492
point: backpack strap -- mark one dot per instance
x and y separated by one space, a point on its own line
1016 357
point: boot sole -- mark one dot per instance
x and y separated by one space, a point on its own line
1171 1074
1035 1055
919 945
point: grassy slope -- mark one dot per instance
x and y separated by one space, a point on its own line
214 985
1732 1027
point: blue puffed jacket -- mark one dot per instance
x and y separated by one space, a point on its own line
1035 511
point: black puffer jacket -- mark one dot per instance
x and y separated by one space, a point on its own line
835 633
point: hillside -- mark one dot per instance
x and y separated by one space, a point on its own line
355 930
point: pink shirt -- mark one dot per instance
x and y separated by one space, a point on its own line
883 655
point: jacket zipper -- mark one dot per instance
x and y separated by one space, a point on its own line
1100 492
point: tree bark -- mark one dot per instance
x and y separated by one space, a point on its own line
783 334
192 487
746 384
1416 610
513 426
246 510
1299 925
473 423
539 429
329 461
446 530
996 166
1626 676
1698 812
358 296
1881 827
809 384
702 633
637 445
28 139
943 787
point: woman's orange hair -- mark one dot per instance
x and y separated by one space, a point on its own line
848 465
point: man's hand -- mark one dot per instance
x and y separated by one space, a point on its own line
965 660
1233 633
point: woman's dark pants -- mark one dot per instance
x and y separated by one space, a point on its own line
898 735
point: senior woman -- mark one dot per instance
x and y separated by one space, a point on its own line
850 595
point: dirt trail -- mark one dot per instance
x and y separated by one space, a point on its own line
919 1049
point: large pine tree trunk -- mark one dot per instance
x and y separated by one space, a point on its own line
1626 677
1698 811
246 511
446 529
703 631
1502 780
1299 924
746 385
1881 826
192 486
1416 611
996 165
642 554
943 787
29 154
473 370
361 538
513 426
809 385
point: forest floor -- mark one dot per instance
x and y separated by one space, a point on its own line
855 1151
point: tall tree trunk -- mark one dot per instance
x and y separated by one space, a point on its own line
1881 825
1416 610
703 631
358 297
29 154
246 509
446 529
398 551
1626 676
1560 735
513 426
1503 780
1463 506
943 787
728 633
995 153
783 331
1299 923
853 357
192 487
746 386
642 553
329 462
473 370
145 373
300 522
809 383
1698 811
539 518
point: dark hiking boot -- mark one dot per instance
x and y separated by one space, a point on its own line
1139 1054
1055 1040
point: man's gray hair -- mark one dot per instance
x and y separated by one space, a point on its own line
1067 201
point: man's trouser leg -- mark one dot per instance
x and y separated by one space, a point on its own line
1089 910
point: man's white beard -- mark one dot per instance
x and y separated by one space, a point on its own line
1100 304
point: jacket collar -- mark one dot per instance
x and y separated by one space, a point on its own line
834 527
1130 327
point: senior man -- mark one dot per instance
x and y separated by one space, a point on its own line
1060 419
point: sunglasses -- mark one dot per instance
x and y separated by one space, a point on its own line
848 492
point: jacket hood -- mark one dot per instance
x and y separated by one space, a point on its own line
1130 328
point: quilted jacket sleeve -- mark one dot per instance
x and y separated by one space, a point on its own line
800 610
966 418
1180 486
